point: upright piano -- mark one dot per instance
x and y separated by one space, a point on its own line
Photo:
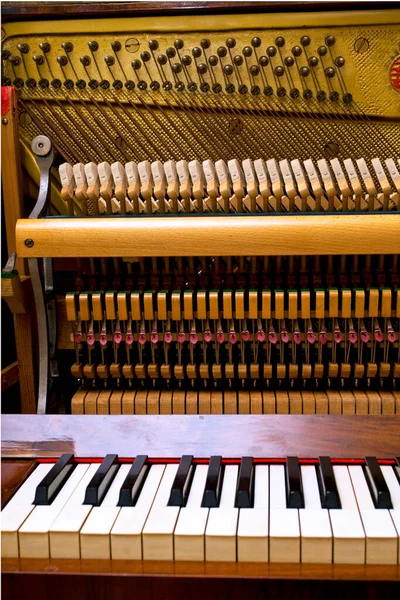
202 217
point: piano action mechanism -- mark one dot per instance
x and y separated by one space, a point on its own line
221 233
208 224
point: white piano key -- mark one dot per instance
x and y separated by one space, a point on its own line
277 487
64 533
395 516
348 536
393 484
190 528
284 535
381 535
284 530
312 499
222 521
34 533
315 527
159 528
18 509
95 533
316 536
253 527
344 487
360 487
261 486
394 489
26 493
126 534
347 528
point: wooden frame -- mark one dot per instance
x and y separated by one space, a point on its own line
63 10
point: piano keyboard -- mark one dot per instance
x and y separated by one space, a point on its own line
248 510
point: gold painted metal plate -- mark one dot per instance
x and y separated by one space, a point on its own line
154 122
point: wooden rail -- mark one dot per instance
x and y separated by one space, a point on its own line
230 235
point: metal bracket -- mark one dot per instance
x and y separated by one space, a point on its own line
10 270
46 319
45 156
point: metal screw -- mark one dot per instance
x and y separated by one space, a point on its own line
5 121
29 243
361 45
132 45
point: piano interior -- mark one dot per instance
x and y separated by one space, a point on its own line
202 233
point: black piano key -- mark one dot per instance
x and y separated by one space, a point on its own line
52 483
212 489
377 484
294 486
397 468
101 480
245 485
181 485
327 484
134 481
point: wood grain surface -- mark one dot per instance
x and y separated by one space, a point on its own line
234 235
232 436
13 473
11 11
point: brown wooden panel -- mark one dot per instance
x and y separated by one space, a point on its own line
201 435
13 473
81 10
50 579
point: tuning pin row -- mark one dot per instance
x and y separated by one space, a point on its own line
276 69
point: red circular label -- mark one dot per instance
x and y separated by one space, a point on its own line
394 74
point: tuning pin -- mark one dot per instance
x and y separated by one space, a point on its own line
272 336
